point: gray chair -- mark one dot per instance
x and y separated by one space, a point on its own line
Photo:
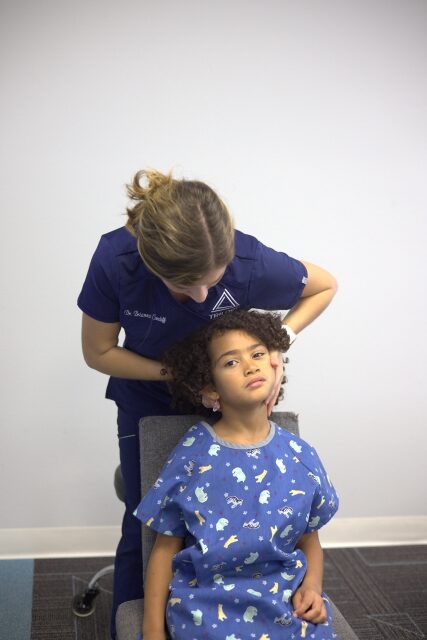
157 436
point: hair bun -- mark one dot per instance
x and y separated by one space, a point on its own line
154 181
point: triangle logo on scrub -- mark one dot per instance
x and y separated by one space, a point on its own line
225 302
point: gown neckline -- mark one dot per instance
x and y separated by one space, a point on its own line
235 445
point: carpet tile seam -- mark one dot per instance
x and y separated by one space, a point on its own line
418 634
371 584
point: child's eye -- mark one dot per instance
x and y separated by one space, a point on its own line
230 363
259 354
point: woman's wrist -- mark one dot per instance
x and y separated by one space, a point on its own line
164 373
291 333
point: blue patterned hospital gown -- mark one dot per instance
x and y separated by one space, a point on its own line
241 510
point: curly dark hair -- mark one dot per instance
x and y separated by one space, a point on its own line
188 360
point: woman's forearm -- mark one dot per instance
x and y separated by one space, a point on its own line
310 545
157 579
101 352
318 293
308 309
122 363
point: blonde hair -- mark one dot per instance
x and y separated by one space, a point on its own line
183 229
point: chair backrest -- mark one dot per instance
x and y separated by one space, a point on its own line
158 435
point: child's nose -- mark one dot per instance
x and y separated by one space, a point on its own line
251 367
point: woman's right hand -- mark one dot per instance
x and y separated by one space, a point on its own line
276 360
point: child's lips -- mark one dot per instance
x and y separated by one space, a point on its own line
255 383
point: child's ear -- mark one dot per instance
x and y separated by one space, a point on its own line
210 398
210 392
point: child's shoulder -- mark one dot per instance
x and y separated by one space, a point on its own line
194 442
300 449
183 458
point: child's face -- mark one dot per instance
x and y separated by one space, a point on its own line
241 369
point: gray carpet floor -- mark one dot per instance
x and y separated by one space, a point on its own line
382 592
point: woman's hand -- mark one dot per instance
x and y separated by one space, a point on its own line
277 364
309 605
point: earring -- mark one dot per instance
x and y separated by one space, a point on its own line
216 406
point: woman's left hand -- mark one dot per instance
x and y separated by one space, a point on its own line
277 364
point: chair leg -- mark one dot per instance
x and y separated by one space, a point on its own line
84 602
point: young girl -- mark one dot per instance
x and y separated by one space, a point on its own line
237 506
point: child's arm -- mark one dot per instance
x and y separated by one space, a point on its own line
156 588
307 601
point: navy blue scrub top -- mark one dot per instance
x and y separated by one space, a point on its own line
120 288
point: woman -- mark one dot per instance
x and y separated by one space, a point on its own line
176 265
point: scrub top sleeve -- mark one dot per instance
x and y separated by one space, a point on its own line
277 280
325 499
159 509
99 297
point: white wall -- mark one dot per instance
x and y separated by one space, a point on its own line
309 119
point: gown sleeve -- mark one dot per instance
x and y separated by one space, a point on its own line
325 499
160 508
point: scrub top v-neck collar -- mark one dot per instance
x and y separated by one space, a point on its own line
196 308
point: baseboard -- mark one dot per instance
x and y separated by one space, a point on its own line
69 542
59 542
374 532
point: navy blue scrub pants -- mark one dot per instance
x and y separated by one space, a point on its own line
128 561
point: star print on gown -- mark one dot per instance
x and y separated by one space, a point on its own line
241 510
